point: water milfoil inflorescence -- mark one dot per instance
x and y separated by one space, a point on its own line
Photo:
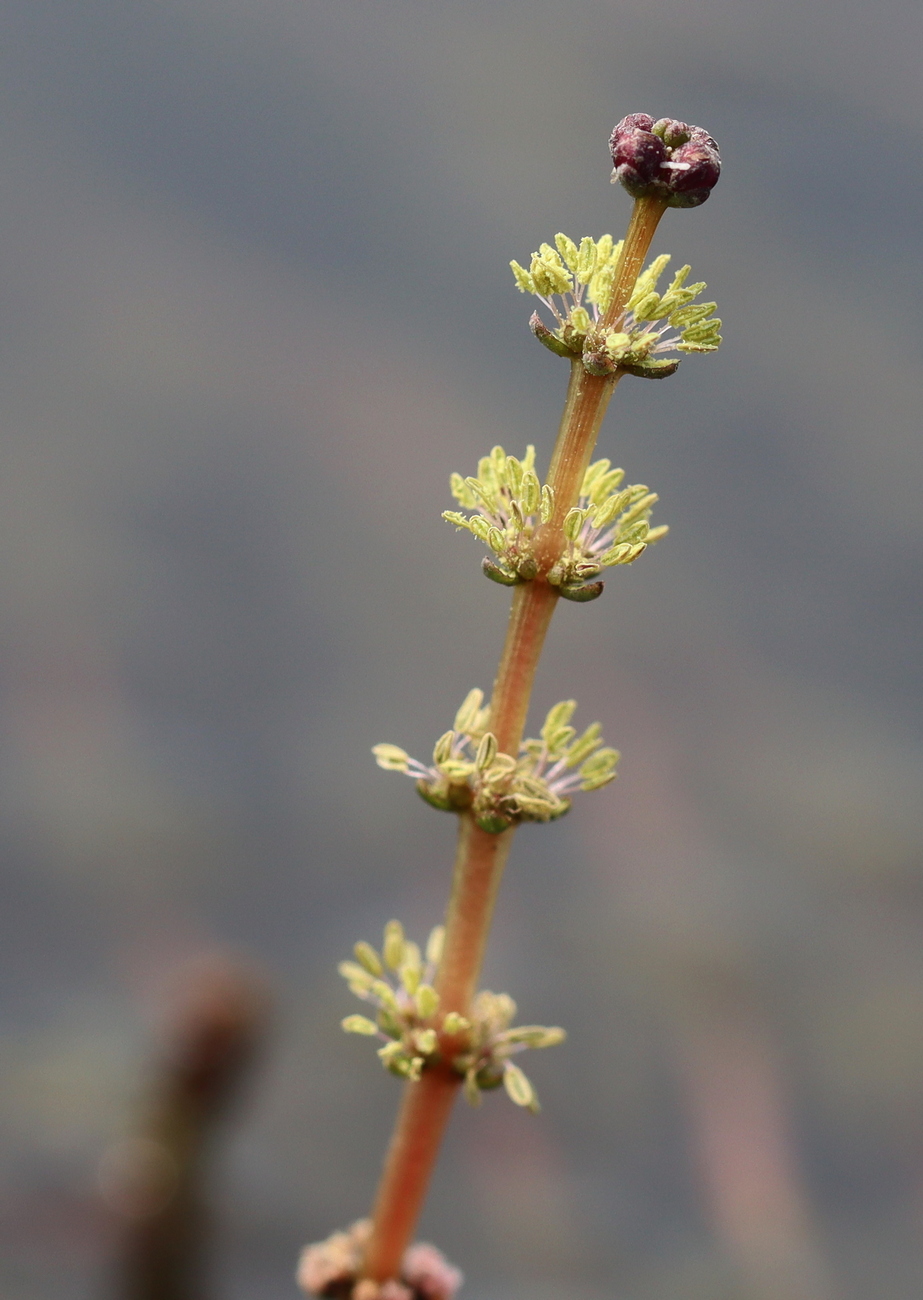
610 524
576 284
399 983
470 773
607 315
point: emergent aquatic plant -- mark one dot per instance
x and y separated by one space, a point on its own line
546 541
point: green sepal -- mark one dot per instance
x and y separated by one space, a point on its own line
652 369
489 1077
494 825
544 335
496 574
456 798
587 591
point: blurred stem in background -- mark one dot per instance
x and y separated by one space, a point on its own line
156 1180
741 1137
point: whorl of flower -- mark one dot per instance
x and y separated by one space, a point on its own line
610 525
406 1019
575 284
469 771
667 160
332 1268
399 982
486 1061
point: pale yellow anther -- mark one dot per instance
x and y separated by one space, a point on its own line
524 280
466 715
368 958
426 1001
549 275
487 751
567 250
547 507
434 945
424 1041
393 948
518 1088
359 1025
391 758
586 260
573 522
443 748
411 976
531 492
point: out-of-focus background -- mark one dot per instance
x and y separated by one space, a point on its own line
255 308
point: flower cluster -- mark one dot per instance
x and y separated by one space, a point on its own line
332 1267
406 1019
406 1000
666 160
470 772
608 526
576 284
486 1062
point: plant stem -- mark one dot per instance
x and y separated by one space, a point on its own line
587 399
421 1122
427 1104
481 856
645 217
530 615
479 862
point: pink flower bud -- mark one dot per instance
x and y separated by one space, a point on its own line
430 1274
667 160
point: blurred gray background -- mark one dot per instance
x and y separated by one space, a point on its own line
255 308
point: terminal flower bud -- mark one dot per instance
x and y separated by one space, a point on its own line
637 154
667 160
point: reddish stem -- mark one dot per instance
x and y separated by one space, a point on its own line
481 856
427 1104
532 608
421 1122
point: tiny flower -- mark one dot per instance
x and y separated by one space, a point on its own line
667 160
330 1268
580 292
610 525
333 1267
470 772
428 1273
